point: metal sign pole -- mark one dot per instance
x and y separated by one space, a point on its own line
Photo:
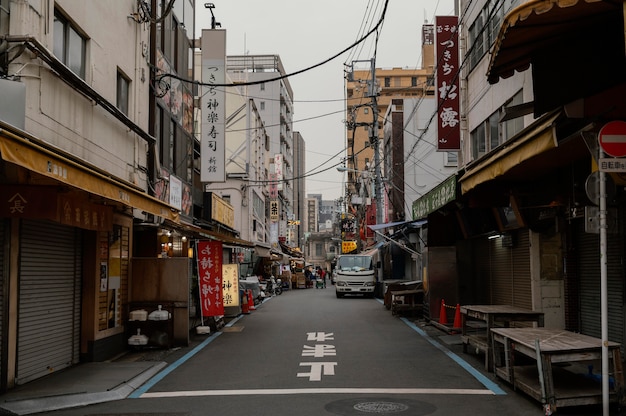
603 292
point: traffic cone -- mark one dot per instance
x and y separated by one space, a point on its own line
443 320
457 317
251 301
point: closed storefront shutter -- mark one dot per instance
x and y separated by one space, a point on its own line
588 260
2 286
49 299
520 271
510 270
501 283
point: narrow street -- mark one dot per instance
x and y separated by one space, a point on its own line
308 352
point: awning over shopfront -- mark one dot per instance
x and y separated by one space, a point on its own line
536 139
378 227
25 151
262 250
536 24
199 232
563 41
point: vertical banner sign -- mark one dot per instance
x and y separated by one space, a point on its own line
210 277
278 168
447 53
213 105
274 213
230 285
273 186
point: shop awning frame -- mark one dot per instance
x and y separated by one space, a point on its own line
199 232
536 139
30 153
535 24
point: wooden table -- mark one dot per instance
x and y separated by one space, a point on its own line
552 365
477 321
407 301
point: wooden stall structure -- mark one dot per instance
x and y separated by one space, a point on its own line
557 367
477 321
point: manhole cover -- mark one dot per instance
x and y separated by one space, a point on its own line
375 406
381 407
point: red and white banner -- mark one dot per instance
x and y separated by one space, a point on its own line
447 78
210 277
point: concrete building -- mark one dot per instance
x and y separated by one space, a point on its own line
522 220
274 101
100 163
77 156
299 192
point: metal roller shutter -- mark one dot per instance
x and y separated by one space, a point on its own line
49 299
588 260
520 271
501 282
510 270
2 296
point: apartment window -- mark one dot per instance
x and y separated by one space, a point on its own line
262 105
513 126
318 250
262 87
478 140
123 85
492 132
69 45
451 159
484 30
413 81
476 40
387 82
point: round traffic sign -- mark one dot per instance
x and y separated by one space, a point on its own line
612 138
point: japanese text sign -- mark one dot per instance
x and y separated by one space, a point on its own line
447 81
230 284
213 143
210 277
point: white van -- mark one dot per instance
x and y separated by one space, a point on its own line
355 274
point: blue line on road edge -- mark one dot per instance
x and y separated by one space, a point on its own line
477 375
150 383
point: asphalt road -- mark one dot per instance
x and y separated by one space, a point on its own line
308 353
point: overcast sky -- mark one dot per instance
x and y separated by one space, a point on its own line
305 33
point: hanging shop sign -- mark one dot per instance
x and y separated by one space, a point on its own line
213 126
210 277
436 198
447 79
274 212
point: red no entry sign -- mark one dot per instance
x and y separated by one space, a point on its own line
612 138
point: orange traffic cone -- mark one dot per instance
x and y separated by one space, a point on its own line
244 302
457 317
443 320
251 301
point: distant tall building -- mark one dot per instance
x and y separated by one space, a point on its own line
274 101
312 214
299 191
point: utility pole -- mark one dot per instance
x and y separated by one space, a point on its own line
372 93
375 140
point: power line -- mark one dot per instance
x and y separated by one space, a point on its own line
159 78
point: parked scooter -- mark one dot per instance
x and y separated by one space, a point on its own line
274 286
